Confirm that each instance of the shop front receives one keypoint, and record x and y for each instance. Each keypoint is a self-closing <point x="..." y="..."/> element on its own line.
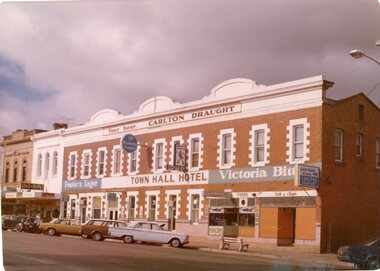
<point x="230" y="215"/>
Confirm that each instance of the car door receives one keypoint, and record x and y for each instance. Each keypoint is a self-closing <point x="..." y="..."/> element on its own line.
<point x="73" y="227"/>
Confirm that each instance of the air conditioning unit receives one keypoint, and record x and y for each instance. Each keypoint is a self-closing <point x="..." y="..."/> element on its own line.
<point x="243" y="202"/>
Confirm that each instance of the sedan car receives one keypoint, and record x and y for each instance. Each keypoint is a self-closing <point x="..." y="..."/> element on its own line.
<point x="61" y="226"/>
<point x="98" y="229"/>
<point x="151" y="232"/>
<point x="365" y="257"/>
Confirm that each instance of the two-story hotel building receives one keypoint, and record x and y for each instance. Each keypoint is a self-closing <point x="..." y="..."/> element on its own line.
<point x="226" y="165"/>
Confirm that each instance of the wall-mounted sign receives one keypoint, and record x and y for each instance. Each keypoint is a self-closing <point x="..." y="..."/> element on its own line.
<point x="307" y="176"/>
<point x="247" y="210"/>
<point x="215" y="230"/>
<point x="32" y="186"/>
<point x="83" y="184"/>
<point x="175" y="119"/>
<point x="129" y="143"/>
<point x="216" y="210"/>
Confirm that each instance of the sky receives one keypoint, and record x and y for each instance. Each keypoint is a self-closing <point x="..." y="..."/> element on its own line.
<point x="65" y="61"/>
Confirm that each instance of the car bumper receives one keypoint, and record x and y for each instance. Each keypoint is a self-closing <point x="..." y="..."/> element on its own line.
<point x="344" y="258"/>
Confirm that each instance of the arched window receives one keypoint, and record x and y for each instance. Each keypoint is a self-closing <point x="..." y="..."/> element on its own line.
<point x="39" y="165"/>
<point x="24" y="167"/>
<point x="55" y="164"/>
<point x="47" y="164"/>
<point x="7" y="165"/>
<point x="15" y="171"/>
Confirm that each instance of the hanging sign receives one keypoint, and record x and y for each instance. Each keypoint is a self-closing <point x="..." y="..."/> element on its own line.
<point x="129" y="143"/>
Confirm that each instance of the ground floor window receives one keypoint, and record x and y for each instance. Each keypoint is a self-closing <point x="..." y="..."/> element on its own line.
<point x="131" y="207"/>
<point x="96" y="207"/>
<point x="194" y="208"/>
<point x="152" y="208"/>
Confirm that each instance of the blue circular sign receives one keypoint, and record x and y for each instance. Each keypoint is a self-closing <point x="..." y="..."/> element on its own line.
<point x="129" y="143"/>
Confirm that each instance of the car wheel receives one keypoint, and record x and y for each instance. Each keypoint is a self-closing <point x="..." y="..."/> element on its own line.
<point x="50" y="231"/>
<point x="97" y="236"/>
<point x="372" y="264"/>
<point x="128" y="239"/>
<point x="19" y="227"/>
<point x="175" y="243"/>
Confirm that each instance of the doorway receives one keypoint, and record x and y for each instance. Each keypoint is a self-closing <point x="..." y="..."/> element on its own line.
<point x="286" y="226"/>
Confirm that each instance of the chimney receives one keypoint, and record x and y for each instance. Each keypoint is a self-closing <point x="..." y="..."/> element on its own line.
<point x="57" y="125"/>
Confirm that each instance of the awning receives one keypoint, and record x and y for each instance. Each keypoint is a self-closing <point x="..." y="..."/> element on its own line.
<point x="32" y="195"/>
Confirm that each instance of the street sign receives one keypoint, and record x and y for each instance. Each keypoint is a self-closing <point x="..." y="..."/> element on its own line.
<point x="129" y="143"/>
<point x="307" y="176"/>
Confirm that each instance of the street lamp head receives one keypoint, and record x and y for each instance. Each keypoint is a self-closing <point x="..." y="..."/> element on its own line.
<point x="356" y="53"/>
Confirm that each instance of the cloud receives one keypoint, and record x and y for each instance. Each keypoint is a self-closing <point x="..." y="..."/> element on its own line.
<point x="76" y="58"/>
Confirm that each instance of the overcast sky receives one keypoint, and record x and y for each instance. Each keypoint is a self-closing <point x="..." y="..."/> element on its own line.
<point x="68" y="60"/>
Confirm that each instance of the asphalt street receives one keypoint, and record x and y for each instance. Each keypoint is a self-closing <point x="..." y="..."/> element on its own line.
<point x="26" y="251"/>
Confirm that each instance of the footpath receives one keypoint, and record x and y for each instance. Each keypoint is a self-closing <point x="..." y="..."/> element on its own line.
<point x="327" y="261"/>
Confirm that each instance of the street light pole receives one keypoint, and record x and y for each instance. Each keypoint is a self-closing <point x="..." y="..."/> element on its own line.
<point x="358" y="54"/>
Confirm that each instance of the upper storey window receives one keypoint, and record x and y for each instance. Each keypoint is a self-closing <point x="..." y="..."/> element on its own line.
<point x="195" y="147"/>
<point x="55" y="164"/>
<point x="226" y="148"/>
<point x="116" y="161"/>
<point x="359" y="145"/>
<point x="298" y="143"/>
<point x="259" y="145"/>
<point x="72" y="165"/>
<point x="101" y="165"/>
<point x="159" y="155"/>
<point x="86" y="163"/>
<point x="338" y="145"/>
<point x="378" y="153"/>
<point x="39" y="165"/>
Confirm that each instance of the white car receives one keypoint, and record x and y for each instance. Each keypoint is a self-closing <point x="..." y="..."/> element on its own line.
<point x="151" y="232"/>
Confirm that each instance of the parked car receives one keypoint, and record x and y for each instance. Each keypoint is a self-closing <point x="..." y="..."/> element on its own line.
<point x="28" y="224"/>
<point x="98" y="229"/>
<point x="151" y="232"/>
<point x="11" y="221"/>
<point x="365" y="257"/>
<point x="61" y="226"/>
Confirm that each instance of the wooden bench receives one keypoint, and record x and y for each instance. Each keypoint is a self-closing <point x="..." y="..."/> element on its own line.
<point x="226" y="241"/>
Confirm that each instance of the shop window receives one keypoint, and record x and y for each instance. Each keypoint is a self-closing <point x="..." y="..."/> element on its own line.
<point x="7" y="165"/>
<point x="195" y="208"/>
<point x="117" y="161"/>
<point x="359" y="146"/>
<point x="338" y="145"/>
<point x="133" y="162"/>
<point x="101" y="162"/>
<point x="247" y="220"/>
<point x="72" y="209"/>
<point x="378" y="153"/>
<point x="24" y="168"/>
<point x="39" y="165"/>
<point x="15" y="171"/>
<point x="55" y="164"/>
<point x="152" y="208"/>
<point x="86" y="164"/>
<point x="131" y="207"/>
<point x="96" y="207"/>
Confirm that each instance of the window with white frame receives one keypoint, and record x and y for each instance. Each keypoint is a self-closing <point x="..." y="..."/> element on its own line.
<point x="297" y="141"/>
<point x="133" y="162"/>
<point x="259" y="145"/>
<point x="359" y="145"/>
<point x="158" y="155"/>
<point x="117" y="161"/>
<point x="96" y="207"/>
<point x="47" y="165"/>
<point x="55" y="164"/>
<point x="378" y="153"/>
<point x="194" y="153"/>
<point x="338" y="145"/>
<point x="72" y="164"/>
<point x="39" y="165"/>
<point x="101" y="162"/>
<point x="86" y="164"/>
<point x="131" y="207"/>
<point x="195" y="203"/>
<point x="152" y="208"/>
<point x="226" y="149"/>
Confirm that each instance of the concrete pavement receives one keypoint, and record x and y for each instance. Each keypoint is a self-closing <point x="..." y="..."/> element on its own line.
<point x="294" y="254"/>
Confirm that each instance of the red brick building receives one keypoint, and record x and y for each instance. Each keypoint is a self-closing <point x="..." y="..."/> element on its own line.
<point x="242" y="145"/>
